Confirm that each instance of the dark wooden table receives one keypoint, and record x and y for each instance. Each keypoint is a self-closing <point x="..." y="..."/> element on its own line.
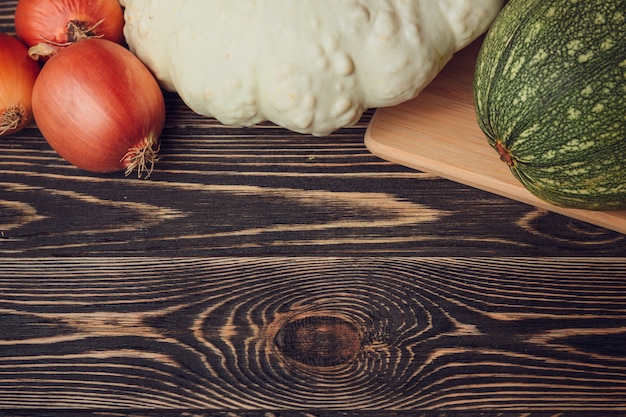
<point x="260" y="272"/>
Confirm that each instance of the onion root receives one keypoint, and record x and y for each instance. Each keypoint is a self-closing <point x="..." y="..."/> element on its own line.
<point x="11" y="119"/>
<point x="77" y="30"/>
<point x="143" y="158"/>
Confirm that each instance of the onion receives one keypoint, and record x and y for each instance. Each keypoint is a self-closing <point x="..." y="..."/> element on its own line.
<point x="17" y="77"/>
<point x="63" y="22"/>
<point x="100" y="108"/>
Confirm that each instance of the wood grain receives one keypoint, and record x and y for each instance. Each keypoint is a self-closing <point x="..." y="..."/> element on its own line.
<point x="223" y="191"/>
<point x="512" y="334"/>
<point x="269" y="274"/>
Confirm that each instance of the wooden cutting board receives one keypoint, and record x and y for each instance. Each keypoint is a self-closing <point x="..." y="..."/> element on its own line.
<point x="437" y="132"/>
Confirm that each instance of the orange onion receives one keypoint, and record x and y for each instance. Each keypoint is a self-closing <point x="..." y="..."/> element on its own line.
<point x="63" y="22"/>
<point x="17" y="77"/>
<point x="100" y="108"/>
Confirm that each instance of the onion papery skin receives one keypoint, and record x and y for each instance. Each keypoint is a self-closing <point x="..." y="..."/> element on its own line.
<point x="47" y="21"/>
<point x="98" y="107"/>
<point x="17" y="78"/>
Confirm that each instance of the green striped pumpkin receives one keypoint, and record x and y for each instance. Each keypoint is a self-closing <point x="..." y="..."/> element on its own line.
<point x="550" y="95"/>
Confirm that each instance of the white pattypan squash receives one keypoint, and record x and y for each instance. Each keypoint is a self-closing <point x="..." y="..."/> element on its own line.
<point x="312" y="66"/>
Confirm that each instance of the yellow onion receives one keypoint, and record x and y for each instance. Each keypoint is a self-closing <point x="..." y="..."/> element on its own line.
<point x="63" y="22"/>
<point x="17" y="77"/>
<point x="100" y="108"/>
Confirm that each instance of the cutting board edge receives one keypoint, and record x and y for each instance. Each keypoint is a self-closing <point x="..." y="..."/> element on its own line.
<point x="609" y="220"/>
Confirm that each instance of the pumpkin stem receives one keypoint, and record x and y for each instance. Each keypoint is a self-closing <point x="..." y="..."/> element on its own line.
<point x="11" y="119"/>
<point x="142" y="158"/>
<point x="505" y="154"/>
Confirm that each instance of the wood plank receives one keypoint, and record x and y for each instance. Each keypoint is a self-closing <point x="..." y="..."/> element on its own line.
<point x="264" y="191"/>
<point x="473" y="334"/>
<point x="300" y="413"/>
<point x="437" y="132"/>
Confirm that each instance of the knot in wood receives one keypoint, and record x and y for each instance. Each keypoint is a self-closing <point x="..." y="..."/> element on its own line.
<point x="320" y="341"/>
